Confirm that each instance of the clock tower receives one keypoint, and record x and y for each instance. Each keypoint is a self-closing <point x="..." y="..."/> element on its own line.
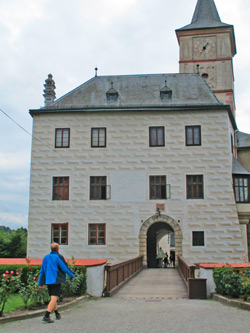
<point x="207" y="46"/>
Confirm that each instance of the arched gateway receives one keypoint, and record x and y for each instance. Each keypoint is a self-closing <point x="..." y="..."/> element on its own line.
<point x="152" y="221"/>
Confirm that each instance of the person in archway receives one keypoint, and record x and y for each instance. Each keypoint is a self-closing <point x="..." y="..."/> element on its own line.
<point x="166" y="261"/>
<point x="172" y="258"/>
<point x="160" y="257"/>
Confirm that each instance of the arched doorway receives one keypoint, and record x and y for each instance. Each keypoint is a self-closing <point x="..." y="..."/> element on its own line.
<point x="155" y="232"/>
<point x="148" y="237"/>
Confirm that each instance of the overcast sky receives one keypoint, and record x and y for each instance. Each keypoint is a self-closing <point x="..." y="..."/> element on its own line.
<point x="69" y="39"/>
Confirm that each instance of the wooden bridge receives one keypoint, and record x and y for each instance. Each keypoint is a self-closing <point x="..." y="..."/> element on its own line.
<point x="154" y="283"/>
<point x="130" y="280"/>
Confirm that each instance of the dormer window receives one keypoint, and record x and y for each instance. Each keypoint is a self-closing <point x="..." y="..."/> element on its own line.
<point x="112" y="94"/>
<point x="166" y="93"/>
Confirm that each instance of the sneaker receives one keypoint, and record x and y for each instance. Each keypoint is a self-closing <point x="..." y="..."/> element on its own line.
<point x="58" y="316"/>
<point x="48" y="320"/>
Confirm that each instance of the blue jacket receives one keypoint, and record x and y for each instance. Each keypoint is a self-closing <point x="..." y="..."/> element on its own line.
<point x="53" y="270"/>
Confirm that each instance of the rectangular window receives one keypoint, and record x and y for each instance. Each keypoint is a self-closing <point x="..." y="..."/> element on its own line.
<point x="195" y="187"/>
<point x="158" y="187"/>
<point x="193" y="135"/>
<point x="97" y="234"/>
<point x="62" y="137"/>
<point x="156" y="136"/>
<point x="60" y="188"/>
<point x="242" y="188"/>
<point x="59" y="233"/>
<point x="198" y="238"/>
<point x="98" y="137"/>
<point x="99" y="190"/>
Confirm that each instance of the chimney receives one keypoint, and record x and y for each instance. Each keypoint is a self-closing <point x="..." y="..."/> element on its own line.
<point x="49" y="91"/>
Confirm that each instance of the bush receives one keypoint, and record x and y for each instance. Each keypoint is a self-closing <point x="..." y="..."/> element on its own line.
<point x="245" y="283"/>
<point x="24" y="279"/>
<point x="31" y="293"/>
<point x="24" y="268"/>
<point x="9" y="283"/>
<point x="76" y="286"/>
<point x="232" y="282"/>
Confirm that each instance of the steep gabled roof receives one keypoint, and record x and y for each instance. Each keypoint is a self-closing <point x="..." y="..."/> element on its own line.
<point x="238" y="169"/>
<point x="139" y="91"/>
<point x="205" y="16"/>
<point x="243" y="140"/>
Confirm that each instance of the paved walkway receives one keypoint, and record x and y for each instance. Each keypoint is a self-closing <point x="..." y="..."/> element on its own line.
<point x="143" y="307"/>
<point x="161" y="283"/>
<point x="114" y="315"/>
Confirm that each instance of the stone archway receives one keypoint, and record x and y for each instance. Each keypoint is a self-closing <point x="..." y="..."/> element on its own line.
<point x="147" y="224"/>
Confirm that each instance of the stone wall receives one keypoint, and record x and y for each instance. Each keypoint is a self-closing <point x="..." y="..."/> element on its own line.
<point x="128" y="161"/>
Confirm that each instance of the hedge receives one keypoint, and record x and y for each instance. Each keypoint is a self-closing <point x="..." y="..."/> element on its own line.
<point x="80" y="272"/>
<point x="233" y="282"/>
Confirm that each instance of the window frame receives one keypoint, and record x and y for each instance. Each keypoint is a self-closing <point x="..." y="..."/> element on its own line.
<point x="61" y="144"/>
<point x="192" y="197"/>
<point x="97" y="231"/>
<point x="96" y="185"/>
<point x="157" y="140"/>
<point x="193" y="127"/>
<point x="59" y="186"/>
<point x="60" y="225"/>
<point x="197" y="239"/>
<point x="244" y="177"/>
<point x="151" y="197"/>
<point x="105" y="137"/>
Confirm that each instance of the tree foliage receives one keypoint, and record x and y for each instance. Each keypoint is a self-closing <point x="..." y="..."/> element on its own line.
<point x="13" y="243"/>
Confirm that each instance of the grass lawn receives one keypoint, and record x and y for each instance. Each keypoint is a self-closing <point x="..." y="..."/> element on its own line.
<point x="14" y="303"/>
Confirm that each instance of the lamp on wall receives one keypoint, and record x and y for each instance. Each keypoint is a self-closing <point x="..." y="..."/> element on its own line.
<point x="158" y="212"/>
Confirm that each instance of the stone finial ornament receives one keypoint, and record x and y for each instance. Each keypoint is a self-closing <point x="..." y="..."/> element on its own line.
<point x="49" y="91"/>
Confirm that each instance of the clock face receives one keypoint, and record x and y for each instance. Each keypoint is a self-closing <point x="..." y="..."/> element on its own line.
<point x="204" y="47"/>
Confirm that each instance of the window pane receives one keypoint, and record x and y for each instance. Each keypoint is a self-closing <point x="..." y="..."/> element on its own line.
<point x="160" y="136"/>
<point x="62" y="137"/>
<point x="195" y="187"/>
<point x="58" y="138"/>
<point x="237" y="196"/>
<point x="193" y="135"/>
<point x="60" y="188"/>
<point x="66" y="138"/>
<point x="102" y="137"/>
<point x="246" y="194"/>
<point x="95" y="137"/>
<point x="153" y="137"/>
<point x="156" y="136"/>
<point x="97" y="234"/>
<point x="60" y="233"/>
<point x="198" y="238"/>
<point x="196" y="136"/>
<point x="98" y="137"/>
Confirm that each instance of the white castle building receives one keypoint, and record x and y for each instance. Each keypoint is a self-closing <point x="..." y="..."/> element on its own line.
<point x="128" y="160"/>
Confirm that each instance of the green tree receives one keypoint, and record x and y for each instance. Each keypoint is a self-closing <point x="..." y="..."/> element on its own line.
<point x="13" y="244"/>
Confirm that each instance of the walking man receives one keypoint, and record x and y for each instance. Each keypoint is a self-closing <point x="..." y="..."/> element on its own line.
<point x="53" y="273"/>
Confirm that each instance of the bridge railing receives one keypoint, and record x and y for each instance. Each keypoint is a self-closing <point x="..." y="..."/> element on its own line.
<point x="197" y="287"/>
<point x="118" y="274"/>
<point x="186" y="269"/>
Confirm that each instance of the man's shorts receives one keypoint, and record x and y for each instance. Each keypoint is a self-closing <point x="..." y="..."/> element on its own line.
<point x="54" y="289"/>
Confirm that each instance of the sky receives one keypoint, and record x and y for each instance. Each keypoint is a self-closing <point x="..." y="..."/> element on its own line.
<point x="69" y="39"/>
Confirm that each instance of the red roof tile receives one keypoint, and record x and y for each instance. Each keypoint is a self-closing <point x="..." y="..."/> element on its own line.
<point x="234" y="265"/>
<point x="36" y="261"/>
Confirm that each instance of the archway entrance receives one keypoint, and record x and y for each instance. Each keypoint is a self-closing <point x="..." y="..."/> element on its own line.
<point x="149" y="237"/>
<point x="155" y="232"/>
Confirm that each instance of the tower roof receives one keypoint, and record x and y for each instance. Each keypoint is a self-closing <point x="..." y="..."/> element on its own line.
<point x="205" y="16"/>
